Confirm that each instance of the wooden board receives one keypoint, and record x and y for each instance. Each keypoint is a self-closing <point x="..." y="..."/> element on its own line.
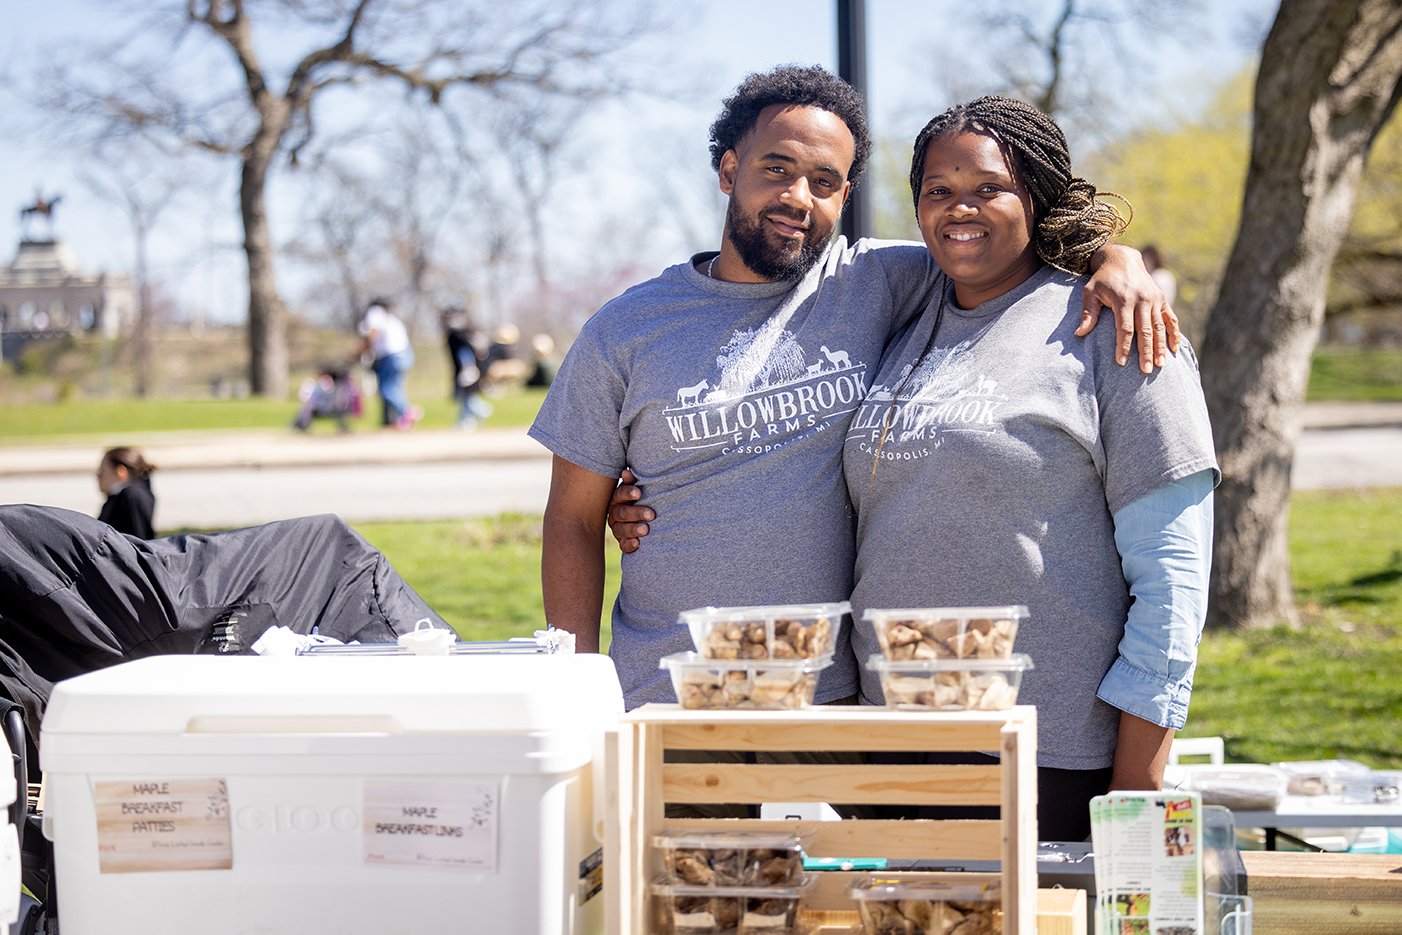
<point x="1324" y="894"/>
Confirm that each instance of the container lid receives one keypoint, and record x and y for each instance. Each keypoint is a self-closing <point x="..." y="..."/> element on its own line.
<point x="727" y="840"/>
<point x="886" y="888"/>
<point x="1323" y="768"/>
<point x="1017" y="662"/>
<point x="399" y="694"/>
<point x="660" y="887"/>
<point x="765" y="612"/>
<point x="694" y="660"/>
<point x="926" y="613"/>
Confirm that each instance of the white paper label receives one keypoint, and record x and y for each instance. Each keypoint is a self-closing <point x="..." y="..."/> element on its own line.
<point x="444" y="823"/>
<point x="163" y="824"/>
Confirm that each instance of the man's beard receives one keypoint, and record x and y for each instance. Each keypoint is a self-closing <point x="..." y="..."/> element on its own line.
<point x="763" y="259"/>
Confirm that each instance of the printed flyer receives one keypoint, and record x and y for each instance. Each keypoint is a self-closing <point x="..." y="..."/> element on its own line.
<point x="1148" y="863"/>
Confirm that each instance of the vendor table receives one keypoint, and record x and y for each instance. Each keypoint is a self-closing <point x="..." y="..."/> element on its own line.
<point x="1324" y="894"/>
<point x="1316" y="811"/>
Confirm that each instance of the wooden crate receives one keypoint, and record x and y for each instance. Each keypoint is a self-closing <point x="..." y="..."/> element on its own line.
<point x="644" y="783"/>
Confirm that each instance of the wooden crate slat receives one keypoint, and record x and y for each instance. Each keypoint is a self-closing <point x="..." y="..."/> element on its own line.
<point x="919" y="839"/>
<point x="844" y="736"/>
<point x="857" y="784"/>
<point x="1019" y="825"/>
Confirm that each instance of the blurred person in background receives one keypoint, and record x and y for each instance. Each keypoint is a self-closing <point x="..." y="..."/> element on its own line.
<point x="1162" y="274"/>
<point x="124" y="477"/>
<point x="544" y="366"/>
<point x="467" y="366"/>
<point x="386" y="341"/>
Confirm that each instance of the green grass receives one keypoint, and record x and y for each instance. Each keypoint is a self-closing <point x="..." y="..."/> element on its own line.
<point x="1331" y="689"/>
<point x="1334" y="687"/>
<point x="1355" y="374"/>
<point x="113" y="419"/>
<point x="481" y="575"/>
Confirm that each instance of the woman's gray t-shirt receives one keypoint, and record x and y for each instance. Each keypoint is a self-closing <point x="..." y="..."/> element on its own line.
<point x="1010" y="446"/>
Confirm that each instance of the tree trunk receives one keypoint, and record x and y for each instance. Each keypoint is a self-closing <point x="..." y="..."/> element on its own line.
<point x="1329" y="79"/>
<point x="144" y="377"/>
<point x="267" y="318"/>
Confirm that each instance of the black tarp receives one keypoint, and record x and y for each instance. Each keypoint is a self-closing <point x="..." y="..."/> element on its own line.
<point x="76" y="595"/>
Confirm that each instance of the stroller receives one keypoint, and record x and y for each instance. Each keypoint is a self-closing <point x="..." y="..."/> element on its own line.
<point x="77" y="596"/>
<point x="332" y="394"/>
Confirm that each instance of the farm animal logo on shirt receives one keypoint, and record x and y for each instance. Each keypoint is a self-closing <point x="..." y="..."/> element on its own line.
<point x="767" y="393"/>
<point x="943" y="395"/>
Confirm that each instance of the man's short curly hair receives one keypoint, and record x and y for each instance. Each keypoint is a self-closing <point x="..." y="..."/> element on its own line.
<point x="803" y="86"/>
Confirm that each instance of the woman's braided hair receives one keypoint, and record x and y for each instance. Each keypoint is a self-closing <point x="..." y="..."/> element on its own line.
<point x="1071" y="220"/>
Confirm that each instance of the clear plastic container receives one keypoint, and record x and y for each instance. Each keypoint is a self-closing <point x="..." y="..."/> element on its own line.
<point x="1319" y="777"/>
<point x="927" y="907"/>
<point x="679" y="909"/>
<point x="951" y="684"/>
<point x="730" y="858"/>
<point x="764" y="684"/>
<point x="781" y="631"/>
<point x="946" y="632"/>
<point x="1242" y="787"/>
<point x="1373" y="788"/>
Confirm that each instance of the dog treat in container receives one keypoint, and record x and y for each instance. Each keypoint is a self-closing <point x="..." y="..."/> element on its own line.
<point x="892" y="906"/>
<point x="682" y="909"/>
<point x="951" y="684"/>
<point x="780" y="631"/>
<point x="946" y="632"/>
<point x="764" y="684"/>
<point x="719" y="858"/>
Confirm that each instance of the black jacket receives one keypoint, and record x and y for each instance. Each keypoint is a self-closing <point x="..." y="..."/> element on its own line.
<point x="131" y="509"/>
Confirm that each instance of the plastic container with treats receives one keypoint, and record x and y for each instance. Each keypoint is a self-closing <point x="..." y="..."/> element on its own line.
<point x="780" y="631"/>
<point x="681" y="909"/>
<point x="946" y="632"/>
<point x="1242" y="786"/>
<point x="951" y="684"/>
<point x="895" y="906"/>
<point x="1319" y="777"/>
<point x="763" y="684"/>
<point x="755" y="858"/>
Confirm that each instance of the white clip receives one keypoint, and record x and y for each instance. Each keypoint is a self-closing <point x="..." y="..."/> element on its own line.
<point x="427" y="640"/>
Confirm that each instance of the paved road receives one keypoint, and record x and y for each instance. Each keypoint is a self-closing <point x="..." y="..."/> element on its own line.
<point x="210" y="498"/>
<point x="211" y="481"/>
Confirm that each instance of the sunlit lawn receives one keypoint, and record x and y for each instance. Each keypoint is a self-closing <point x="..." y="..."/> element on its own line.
<point x="122" y="420"/>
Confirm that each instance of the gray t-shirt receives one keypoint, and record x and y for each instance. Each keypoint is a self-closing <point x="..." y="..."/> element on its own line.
<point x="729" y="401"/>
<point x="1011" y="445"/>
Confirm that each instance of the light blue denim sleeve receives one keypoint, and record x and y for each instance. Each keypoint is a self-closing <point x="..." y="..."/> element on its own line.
<point x="1165" y="544"/>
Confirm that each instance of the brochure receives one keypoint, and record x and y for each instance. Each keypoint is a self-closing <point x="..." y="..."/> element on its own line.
<point x="1148" y="863"/>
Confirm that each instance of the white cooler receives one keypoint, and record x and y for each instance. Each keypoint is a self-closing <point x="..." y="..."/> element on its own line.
<point x="335" y="794"/>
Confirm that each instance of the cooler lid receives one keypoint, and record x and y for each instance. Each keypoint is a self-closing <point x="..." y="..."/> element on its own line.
<point x="399" y="694"/>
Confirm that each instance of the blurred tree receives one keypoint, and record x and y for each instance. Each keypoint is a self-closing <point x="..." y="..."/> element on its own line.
<point x="1330" y="78"/>
<point x="144" y="183"/>
<point x="1368" y="272"/>
<point x="1185" y="183"/>
<point x="1088" y="63"/>
<point x="256" y="102"/>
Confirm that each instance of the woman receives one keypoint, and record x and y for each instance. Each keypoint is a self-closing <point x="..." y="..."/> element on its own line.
<point x="999" y="459"/>
<point x="124" y="477"/>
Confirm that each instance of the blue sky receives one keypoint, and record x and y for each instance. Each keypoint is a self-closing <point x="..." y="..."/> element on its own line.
<point x="722" y="41"/>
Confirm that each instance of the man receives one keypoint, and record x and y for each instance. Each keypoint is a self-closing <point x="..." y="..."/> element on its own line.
<point x="725" y="384"/>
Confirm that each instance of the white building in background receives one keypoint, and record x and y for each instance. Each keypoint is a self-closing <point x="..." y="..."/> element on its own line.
<point x="44" y="294"/>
